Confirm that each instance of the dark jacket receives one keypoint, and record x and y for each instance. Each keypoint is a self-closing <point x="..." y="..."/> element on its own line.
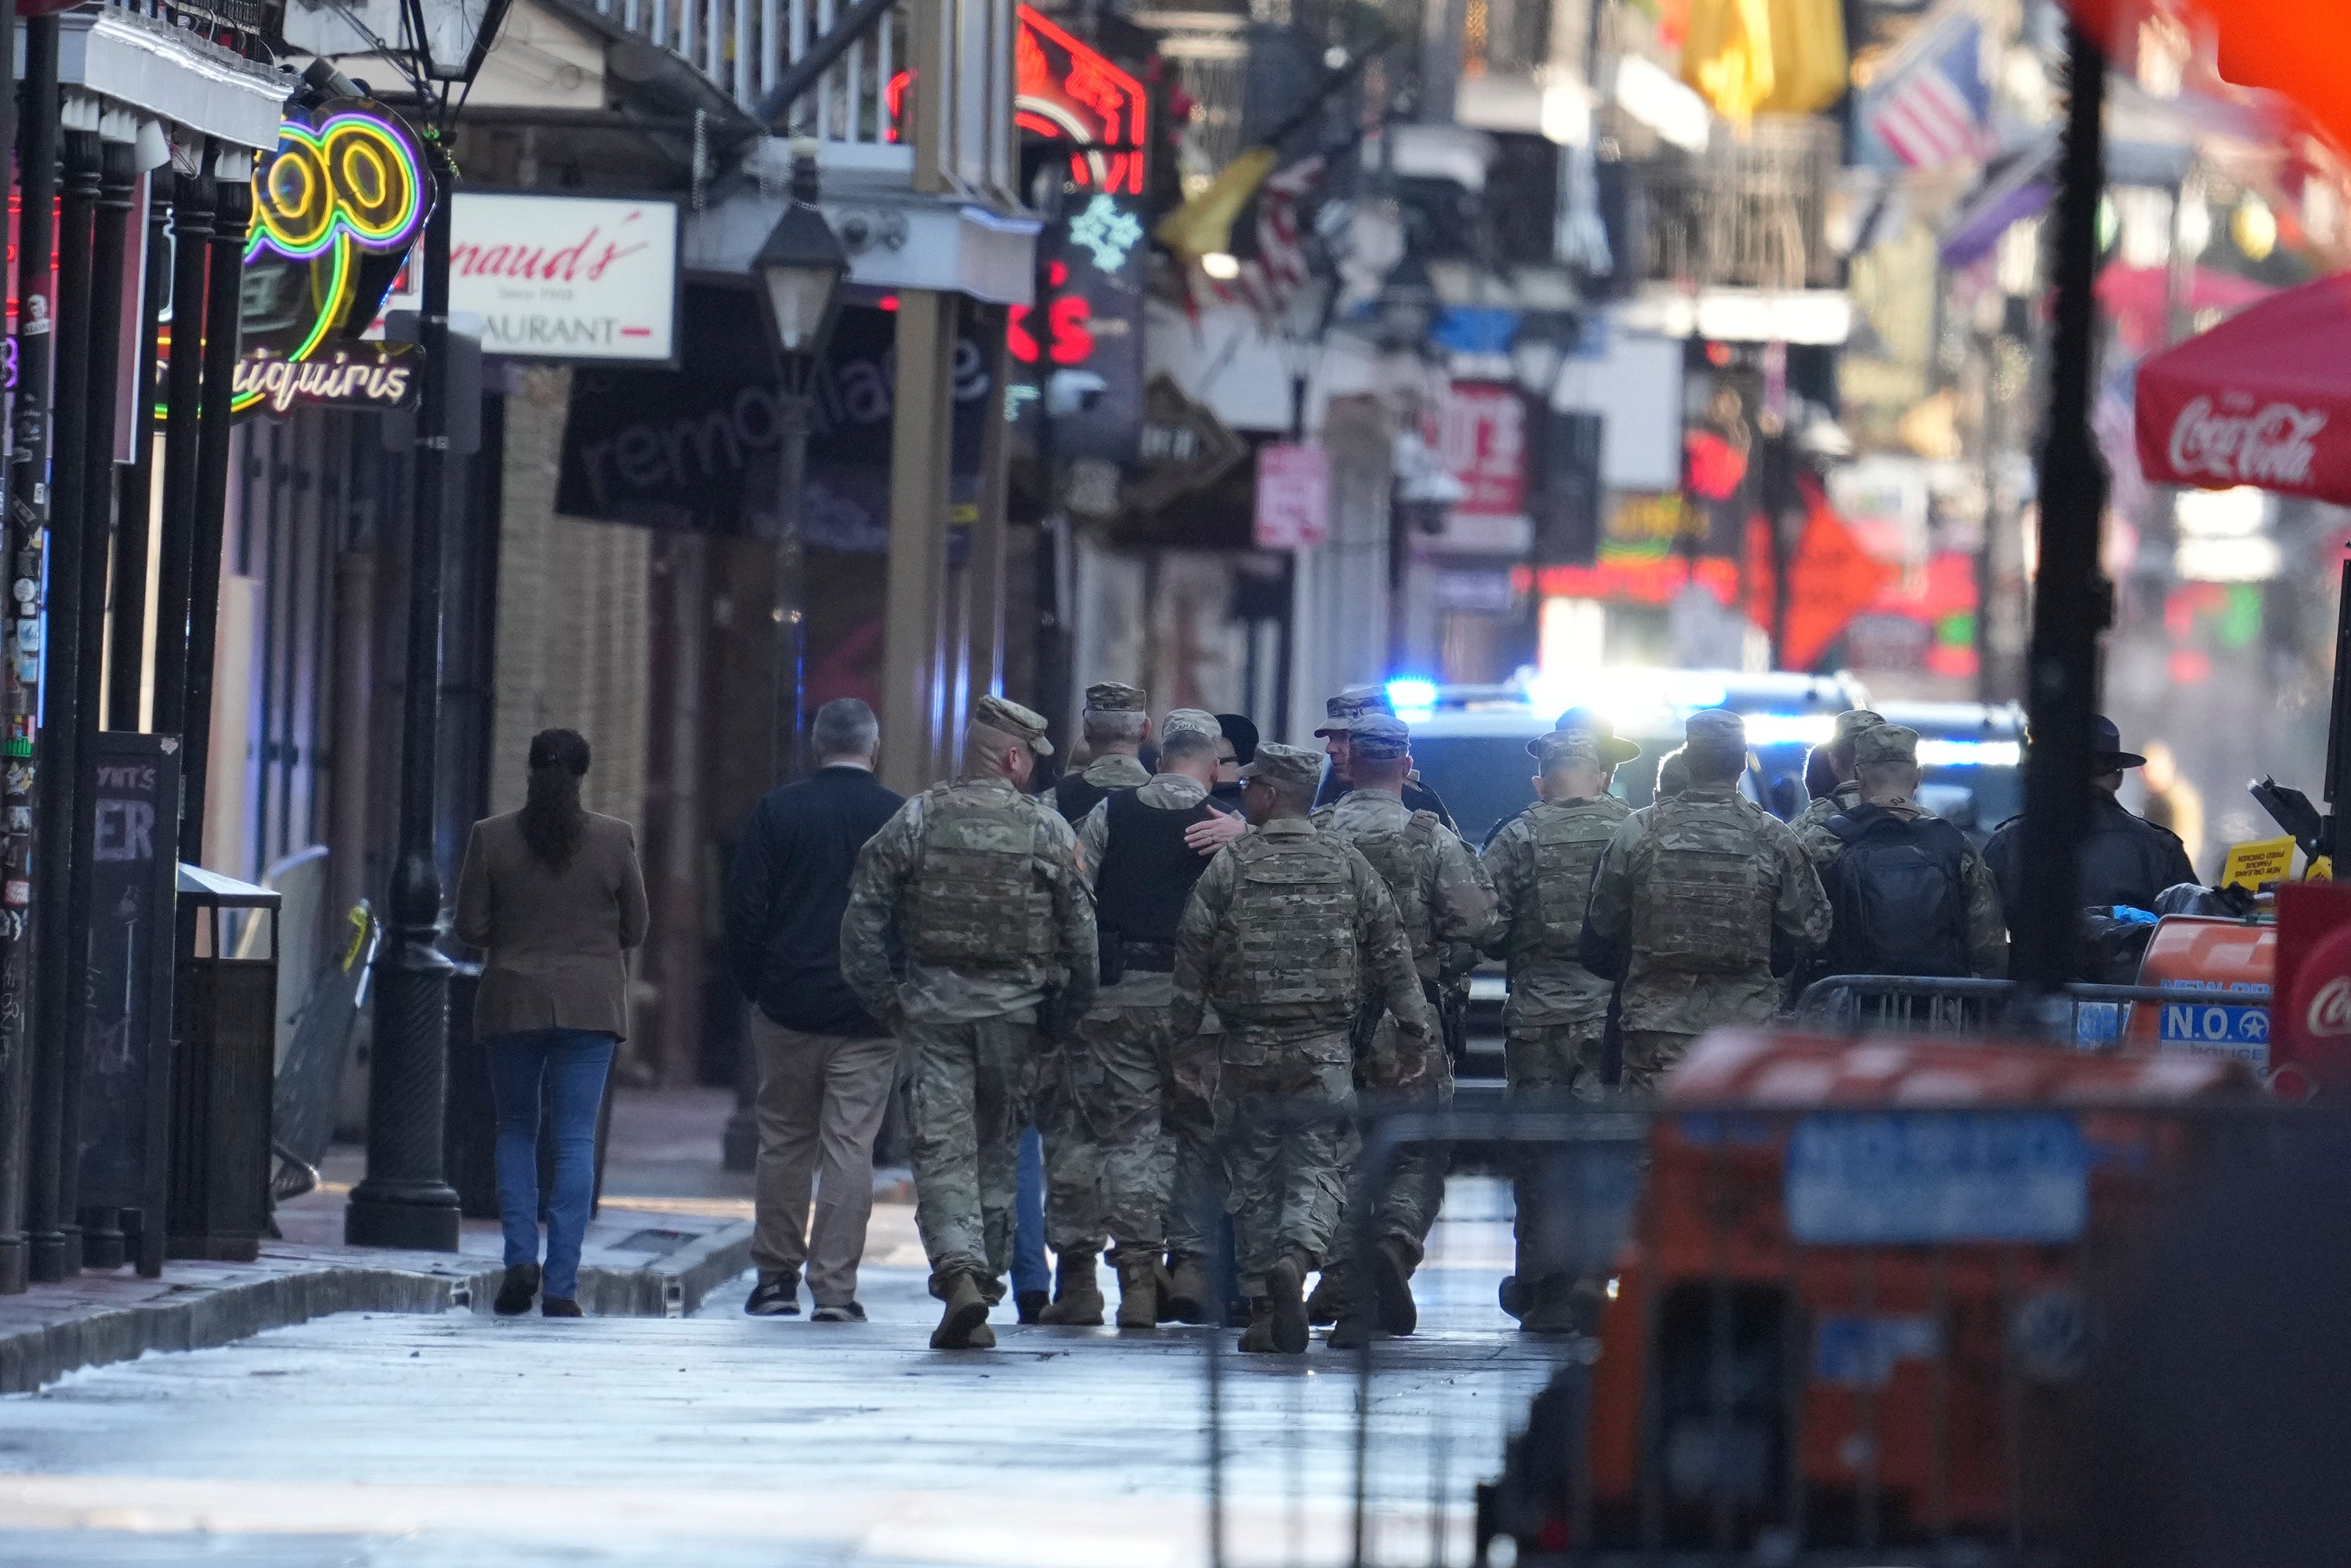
<point x="786" y="891"/>
<point x="2124" y="860"/>
<point x="557" y="941"/>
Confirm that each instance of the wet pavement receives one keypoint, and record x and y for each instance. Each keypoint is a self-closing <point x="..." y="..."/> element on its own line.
<point x="456" y="1439"/>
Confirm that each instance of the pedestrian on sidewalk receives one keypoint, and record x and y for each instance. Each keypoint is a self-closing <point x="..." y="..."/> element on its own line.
<point x="554" y="896"/>
<point x="826" y="1065"/>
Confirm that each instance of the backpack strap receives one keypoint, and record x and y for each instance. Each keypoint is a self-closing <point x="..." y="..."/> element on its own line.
<point x="1422" y="829"/>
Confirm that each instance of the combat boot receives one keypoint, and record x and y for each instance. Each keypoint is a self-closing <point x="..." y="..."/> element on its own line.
<point x="1138" y="1294"/>
<point x="1353" y="1331"/>
<point x="1553" y="1308"/>
<point x="964" y="1324"/>
<point x="1328" y="1304"/>
<point x="1391" y="1290"/>
<point x="1285" y="1287"/>
<point x="1258" y="1338"/>
<point x="1187" y="1290"/>
<point x="1077" y="1297"/>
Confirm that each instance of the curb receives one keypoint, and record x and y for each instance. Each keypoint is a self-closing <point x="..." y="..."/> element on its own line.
<point x="204" y="1317"/>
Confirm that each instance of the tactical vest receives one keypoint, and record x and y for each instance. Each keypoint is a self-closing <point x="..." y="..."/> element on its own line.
<point x="1703" y="906"/>
<point x="1568" y="842"/>
<point x="1406" y="858"/>
<point x="1075" y="795"/>
<point x="1293" y="916"/>
<point x="977" y="903"/>
<point x="1898" y="892"/>
<point x="1147" y="871"/>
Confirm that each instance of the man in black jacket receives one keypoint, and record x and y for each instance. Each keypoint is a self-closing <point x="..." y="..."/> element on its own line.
<point x="2124" y="859"/>
<point x="826" y="1067"/>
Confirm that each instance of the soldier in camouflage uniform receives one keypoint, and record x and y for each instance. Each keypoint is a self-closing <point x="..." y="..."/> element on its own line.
<point x="981" y="884"/>
<point x="1811" y="824"/>
<point x="1556" y="1020"/>
<point x="1109" y="1158"/>
<point x="1447" y="906"/>
<point x="1117" y="723"/>
<point x="1340" y="714"/>
<point x="1698" y="902"/>
<point x="1673" y="774"/>
<point x="1285" y="934"/>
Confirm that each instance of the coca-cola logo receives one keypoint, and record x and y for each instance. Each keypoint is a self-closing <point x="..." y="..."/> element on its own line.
<point x="2270" y="445"/>
<point x="2330" y="1009"/>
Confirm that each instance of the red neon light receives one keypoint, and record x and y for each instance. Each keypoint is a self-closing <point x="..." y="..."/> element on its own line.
<point x="1093" y="83"/>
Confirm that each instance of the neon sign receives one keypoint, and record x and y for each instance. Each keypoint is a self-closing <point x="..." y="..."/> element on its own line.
<point x="1067" y="90"/>
<point x="336" y="208"/>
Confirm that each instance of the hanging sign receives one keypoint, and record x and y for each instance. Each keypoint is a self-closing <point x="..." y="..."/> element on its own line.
<point x="335" y="208"/>
<point x="1293" y="496"/>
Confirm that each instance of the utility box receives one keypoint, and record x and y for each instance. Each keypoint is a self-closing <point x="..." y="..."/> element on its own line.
<point x="223" y="1070"/>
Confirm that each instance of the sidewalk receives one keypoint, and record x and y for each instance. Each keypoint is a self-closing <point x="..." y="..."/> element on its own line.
<point x="673" y="1226"/>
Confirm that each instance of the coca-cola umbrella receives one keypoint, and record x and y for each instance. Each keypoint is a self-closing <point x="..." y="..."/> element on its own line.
<point x="2263" y="399"/>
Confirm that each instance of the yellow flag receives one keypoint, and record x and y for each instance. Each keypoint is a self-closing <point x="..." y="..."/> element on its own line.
<point x="1809" y="67"/>
<point x="1727" y="55"/>
<point x="1204" y="226"/>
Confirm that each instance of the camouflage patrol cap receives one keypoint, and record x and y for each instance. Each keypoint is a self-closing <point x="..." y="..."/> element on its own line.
<point x="1852" y="721"/>
<point x="1885" y="743"/>
<point x="1716" y="730"/>
<point x="1286" y="766"/>
<point x="1024" y="724"/>
<point x="1378" y="736"/>
<point x="1114" y="697"/>
<point x="1196" y="721"/>
<point x="1340" y="711"/>
<point x="1567" y="748"/>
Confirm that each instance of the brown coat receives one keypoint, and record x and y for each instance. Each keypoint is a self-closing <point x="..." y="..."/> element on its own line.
<point x="556" y="945"/>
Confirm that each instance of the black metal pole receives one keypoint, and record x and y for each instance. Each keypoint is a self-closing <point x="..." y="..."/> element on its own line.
<point x="19" y="549"/>
<point x="101" y="1229"/>
<point x="56" y="977"/>
<point x="403" y="1201"/>
<point x="232" y="204"/>
<point x="2338" y="729"/>
<point x="133" y="516"/>
<point x="2071" y="602"/>
<point x="192" y="233"/>
<point x="791" y="617"/>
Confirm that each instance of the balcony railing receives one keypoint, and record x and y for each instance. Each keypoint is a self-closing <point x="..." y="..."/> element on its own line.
<point x="1751" y="210"/>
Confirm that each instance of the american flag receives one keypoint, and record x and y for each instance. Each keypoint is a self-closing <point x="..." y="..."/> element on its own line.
<point x="1271" y="278"/>
<point x="1936" y="109"/>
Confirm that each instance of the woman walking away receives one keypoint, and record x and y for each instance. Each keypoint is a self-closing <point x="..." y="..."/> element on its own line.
<point x="554" y="893"/>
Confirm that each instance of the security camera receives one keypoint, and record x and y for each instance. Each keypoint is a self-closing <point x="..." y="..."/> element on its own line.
<point x="1072" y="392"/>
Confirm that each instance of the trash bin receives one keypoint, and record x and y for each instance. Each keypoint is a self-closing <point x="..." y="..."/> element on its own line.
<point x="224" y="1049"/>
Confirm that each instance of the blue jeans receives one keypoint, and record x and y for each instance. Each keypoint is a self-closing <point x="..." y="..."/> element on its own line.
<point x="1030" y="1269"/>
<point x="566" y="1067"/>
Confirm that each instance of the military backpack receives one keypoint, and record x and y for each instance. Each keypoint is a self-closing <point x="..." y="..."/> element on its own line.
<point x="1406" y="858"/>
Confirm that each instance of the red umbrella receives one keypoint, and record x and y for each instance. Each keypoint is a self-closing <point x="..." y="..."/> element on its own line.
<point x="2264" y="398"/>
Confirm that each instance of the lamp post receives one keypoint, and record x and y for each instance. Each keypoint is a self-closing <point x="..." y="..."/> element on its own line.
<point x="800" y="267"/>
<point x="404" y="1201"/>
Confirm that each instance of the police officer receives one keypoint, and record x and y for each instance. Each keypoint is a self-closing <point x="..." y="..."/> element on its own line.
<point x="1695" y="898"/>
<point x="1340" y="711"/>
<point x="1556" y="1023"/>
<point x="1909" y="894"/>
<point x="1286" y="933"/>
<point x="2124" y="859"/>
<point x="1116" y="725"/>
<point x="981" y="884"/>
<point x="1109" y="1170"/>
<point x="1447" y="905"/>
<point x="1843" y="792"/>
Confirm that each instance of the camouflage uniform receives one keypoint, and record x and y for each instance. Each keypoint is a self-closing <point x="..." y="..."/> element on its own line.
<point x="1542" y="866"/>
<point x="1115" y="770"/>
<point x="1446" y="905"/>
<point x="1986" y="934"/>
<point x="982" y="886"/>
<point x="1284" y="934"/>
<point x="1690" y="896"/>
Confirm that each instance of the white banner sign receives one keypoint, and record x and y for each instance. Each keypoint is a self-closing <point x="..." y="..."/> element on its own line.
<point x="562" y="277"/>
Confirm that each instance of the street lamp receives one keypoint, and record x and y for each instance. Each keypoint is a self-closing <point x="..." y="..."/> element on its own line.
<point x="800" y="267"/>
<point x="404" y="1201"/>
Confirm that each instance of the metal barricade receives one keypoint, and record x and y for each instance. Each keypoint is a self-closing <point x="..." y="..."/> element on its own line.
<point x="2090" y="1017"/>
<point x="1890" y="1334"/>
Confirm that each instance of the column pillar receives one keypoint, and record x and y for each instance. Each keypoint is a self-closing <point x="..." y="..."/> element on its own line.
<point x="920" y="455"/>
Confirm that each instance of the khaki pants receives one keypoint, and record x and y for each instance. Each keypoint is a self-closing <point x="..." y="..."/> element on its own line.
<point x="819" y="1095"/>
